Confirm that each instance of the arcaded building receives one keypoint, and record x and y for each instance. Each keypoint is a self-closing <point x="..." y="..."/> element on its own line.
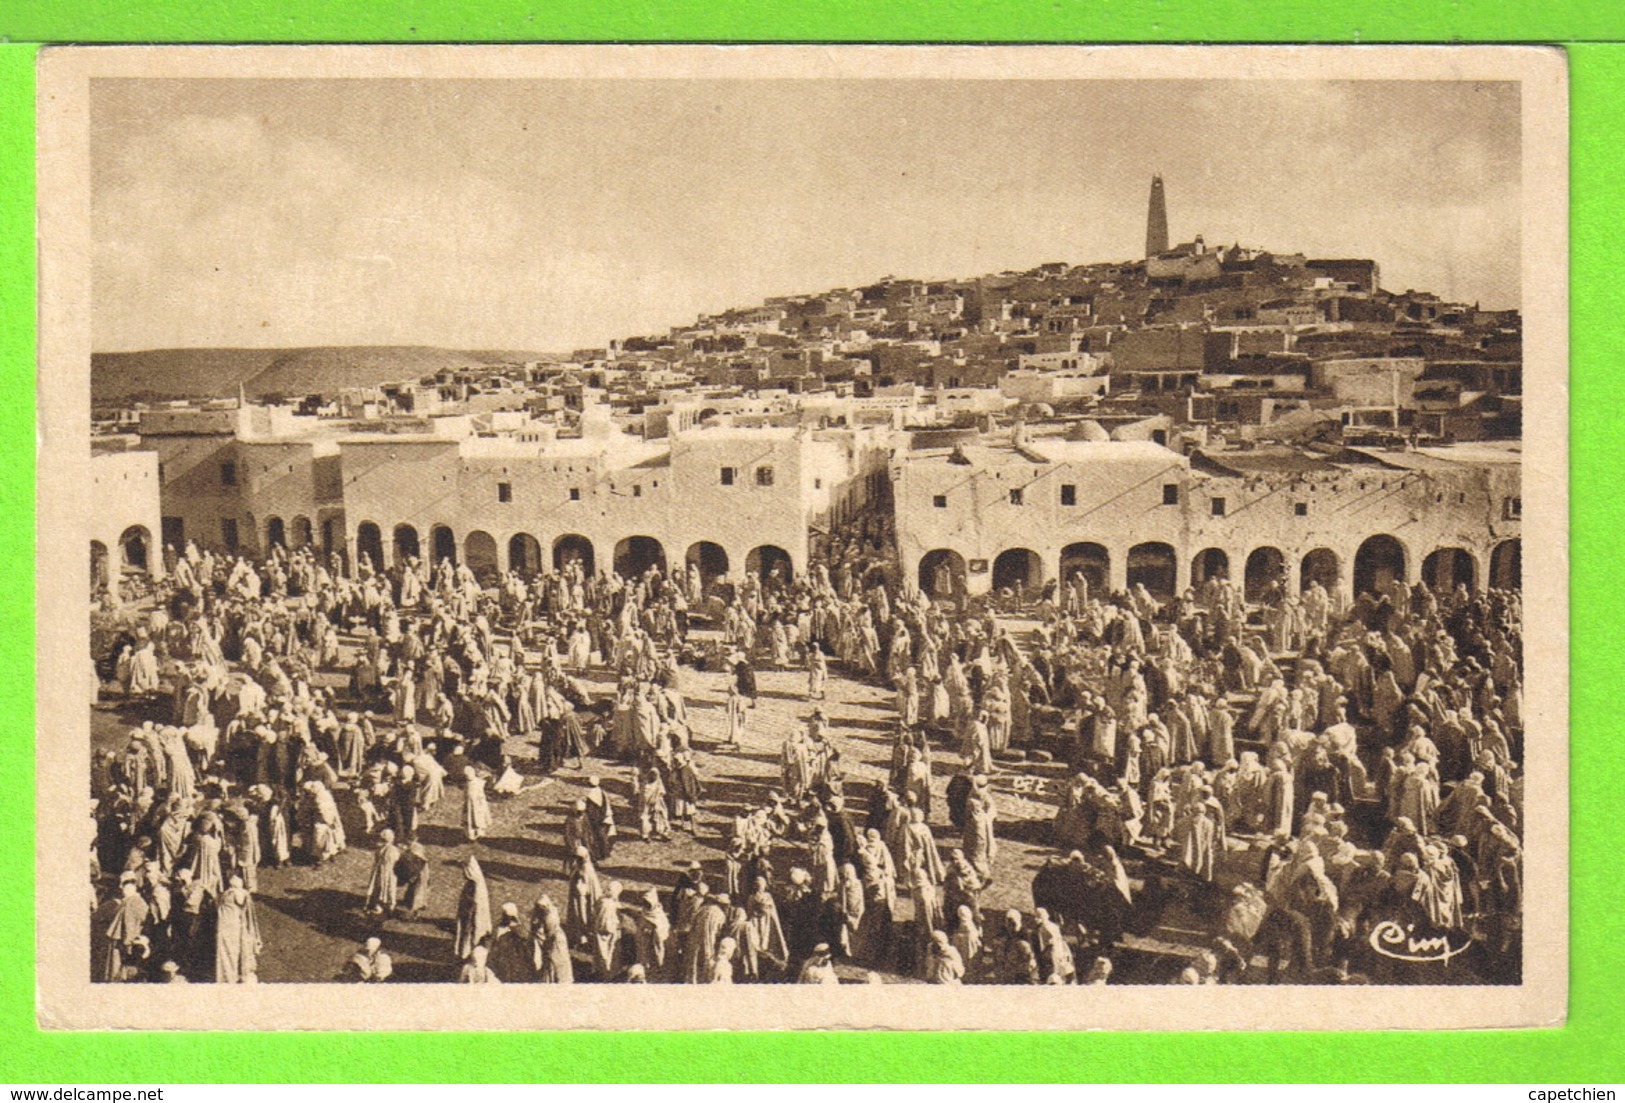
<point x="510" y="493"/>
<point x="991" y="512"/>
<point x="1003" y="516"/>
<point x="727" y="500"/>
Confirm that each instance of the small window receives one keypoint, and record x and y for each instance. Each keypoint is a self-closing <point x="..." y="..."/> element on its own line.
<point x="764" y="475"/>
<point x="1512" y="508"/>
<point x="727" y="476"/>
<point x="1015" y="496"/>
<point x="504" y="492"/>
<point x="1069" y="494"/>
<point x="1300" y="509"/>
<point x="575" y="494"/>
<point x="228" y="532"/>
<point x="228" y="474"/>
<point x="637" y="490"/>
<point x="818" y="484"/>
<point x="1170" y="494"/>
<point x="940" y="501"/>
<point x="1218" y="507"/>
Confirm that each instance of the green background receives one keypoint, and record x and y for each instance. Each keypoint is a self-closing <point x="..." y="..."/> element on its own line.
<point x="1591" y="1048"/>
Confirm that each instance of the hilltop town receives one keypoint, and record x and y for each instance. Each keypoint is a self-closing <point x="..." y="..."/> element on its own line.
<point x="1024" y="425"/>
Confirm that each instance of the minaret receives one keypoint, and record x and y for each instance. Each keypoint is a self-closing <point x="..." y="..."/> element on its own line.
<point x="1156" y="221"/>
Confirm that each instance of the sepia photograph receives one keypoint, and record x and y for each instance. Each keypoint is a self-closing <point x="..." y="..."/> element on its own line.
<point x="1000" y="519"/>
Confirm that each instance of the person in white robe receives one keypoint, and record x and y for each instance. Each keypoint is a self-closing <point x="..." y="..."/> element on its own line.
<point x="237" y="937"/>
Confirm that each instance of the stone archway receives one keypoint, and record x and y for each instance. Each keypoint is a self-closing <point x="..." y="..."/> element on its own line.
<point x="1209" y="563"/>
<point x="1154" y="566"/>
<point x="1264" y="577"/>
<point x="480" y="553"/>
<point x="442" y="545"/>
<point x="1379" y="562"/>
<point x="709" y="559"/>
<point x="571" y="548"/>
<point x="369" y="542"/>
<point x="635" y="555"/>
<point x="135" y="548"/>
<point x="276" y="533"/>
<point x="768" y="561"/>
<point x="525" y="554"/>
<point x="1019" y="570"/>
<point x="101" y="574"/>
<point x="1092" y="561"/>
<point x="406" y="544"/>
<point x="942" y="574"/>
<point x="1506" y="565"/>
<point x="1445" y="568"/>
<point x="1320" y="565"/>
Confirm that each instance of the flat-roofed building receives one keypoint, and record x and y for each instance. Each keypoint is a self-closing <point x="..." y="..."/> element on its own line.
<point x="125" y="518"/>
<point x="1126" y="513"/>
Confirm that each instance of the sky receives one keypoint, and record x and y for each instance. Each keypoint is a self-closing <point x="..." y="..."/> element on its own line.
<point x="556" y="214"/>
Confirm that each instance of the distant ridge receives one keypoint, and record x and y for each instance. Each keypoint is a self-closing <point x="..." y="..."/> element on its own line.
<point x="159" y="374"/>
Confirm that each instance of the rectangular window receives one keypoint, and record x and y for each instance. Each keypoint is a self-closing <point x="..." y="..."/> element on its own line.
<point x="1300" y="509"/>
<point x="1015" y="496"/>
<point x="818" y="484"/>
<point x="764" y="476"/>
<point x="940" y="501"/>
<point x="727" y="476"/>
<point x="1511" y="508"/>
<point x="575" y="494"/>
<point x="1170" y="494"/>
<point x="228" y="532"/>
<point x="228" y="474"/>
<point x="1218" y="507"/>
<point x="637" y="490"/>
<point x="1069" y="494"/>
<point x="504" y="492"/>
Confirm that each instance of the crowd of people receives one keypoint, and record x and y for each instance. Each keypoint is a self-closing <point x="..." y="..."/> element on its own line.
<point x="1291" y="771"/>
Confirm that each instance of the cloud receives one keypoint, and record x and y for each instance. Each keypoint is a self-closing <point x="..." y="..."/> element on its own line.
<point x="290" y="234"/>
<point x="555" y="214"/>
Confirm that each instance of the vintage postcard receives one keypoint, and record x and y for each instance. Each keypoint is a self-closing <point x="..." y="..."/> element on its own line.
<point x="802" y="537"/>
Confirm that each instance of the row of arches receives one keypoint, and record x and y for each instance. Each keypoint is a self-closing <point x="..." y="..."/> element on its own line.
<point x="1379" y="561"/>
<point x="632" y="557"/>
<point x="297" y="534"/>
<point x="134" y="554"/>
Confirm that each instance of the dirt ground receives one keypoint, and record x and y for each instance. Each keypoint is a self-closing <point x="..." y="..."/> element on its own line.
<point x="312" y="918"/>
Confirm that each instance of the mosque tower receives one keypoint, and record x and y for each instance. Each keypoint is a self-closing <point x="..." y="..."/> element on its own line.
<point x="1156" y="221"/>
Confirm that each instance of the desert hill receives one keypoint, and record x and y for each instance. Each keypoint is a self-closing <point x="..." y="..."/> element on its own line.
<point x="156" y="374"/>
